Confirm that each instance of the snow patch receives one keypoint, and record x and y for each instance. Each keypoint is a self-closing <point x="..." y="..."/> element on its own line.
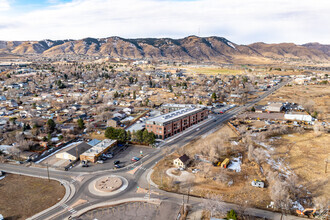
<point x="231" y="45"/>
<point x="235" y="163"/>
<point x="297" y="205"/>
<point x="49" y="44"/>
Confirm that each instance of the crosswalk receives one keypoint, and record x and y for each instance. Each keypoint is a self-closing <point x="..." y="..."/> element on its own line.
<point x="68" y="208"/>
<point x="146" y="196"/>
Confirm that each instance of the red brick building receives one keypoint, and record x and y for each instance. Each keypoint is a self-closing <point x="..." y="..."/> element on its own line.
<point x="169" y="124"/>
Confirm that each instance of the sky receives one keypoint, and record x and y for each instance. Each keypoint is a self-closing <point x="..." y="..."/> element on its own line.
<point x="240" y="21"/>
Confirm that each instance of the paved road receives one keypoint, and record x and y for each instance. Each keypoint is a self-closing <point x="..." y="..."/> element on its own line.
<point x="79" y="181"/>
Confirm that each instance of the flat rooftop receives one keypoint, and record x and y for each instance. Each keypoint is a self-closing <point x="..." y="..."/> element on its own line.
<point x="169" y="105"/>
<point x="173" y="116"/>
<point x="100" y="147"/>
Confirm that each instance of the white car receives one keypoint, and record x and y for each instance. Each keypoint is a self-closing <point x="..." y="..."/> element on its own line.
<point x="197" y="129"/>
<point x="195" y="170"/>
<point x="100" y="161"/>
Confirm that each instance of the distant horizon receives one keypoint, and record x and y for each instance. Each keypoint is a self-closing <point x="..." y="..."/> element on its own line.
<point x="177" y="38"/>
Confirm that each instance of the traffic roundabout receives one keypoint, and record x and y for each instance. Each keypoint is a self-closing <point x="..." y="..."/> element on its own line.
<point x="108" y="185"/>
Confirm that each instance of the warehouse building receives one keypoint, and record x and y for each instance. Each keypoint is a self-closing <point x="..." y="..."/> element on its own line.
<point x="275" y="107"/>
<point x="169" y="124"/>
<point x="298" y="116"/>
<point x="94" y="152"/>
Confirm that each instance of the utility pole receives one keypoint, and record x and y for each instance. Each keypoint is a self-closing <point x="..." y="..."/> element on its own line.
<point x="188" y="195"/>
<point x="48" y="173"/>
<point x="76" y="153"/>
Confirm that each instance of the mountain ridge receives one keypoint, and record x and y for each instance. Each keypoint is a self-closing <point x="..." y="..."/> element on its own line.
<point x="191" y="48"/>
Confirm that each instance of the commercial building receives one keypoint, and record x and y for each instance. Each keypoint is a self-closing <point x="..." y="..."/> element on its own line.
<point x="94" y="152"/>
<point x="169" y="124"/>
<point x="74" y="152"/>
<point x="275" y="107"/>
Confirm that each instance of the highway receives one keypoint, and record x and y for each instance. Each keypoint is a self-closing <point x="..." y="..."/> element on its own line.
<point x="77" y="183"/>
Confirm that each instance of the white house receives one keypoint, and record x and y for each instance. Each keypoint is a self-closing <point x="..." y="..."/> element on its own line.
<point x="182" y="161"/>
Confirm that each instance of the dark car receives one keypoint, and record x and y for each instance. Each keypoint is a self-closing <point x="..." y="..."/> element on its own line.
<point x="116" y="162"/>
<point x="85" y="165"/>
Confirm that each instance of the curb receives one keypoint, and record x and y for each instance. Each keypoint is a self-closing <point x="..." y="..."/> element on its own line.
<point x="149" y="179"/>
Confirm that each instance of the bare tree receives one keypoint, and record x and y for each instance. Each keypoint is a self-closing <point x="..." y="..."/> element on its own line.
<point x="214" y="204"/>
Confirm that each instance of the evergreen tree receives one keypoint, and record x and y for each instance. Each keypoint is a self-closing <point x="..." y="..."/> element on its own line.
<point x="51" y="125"/>
<point x="81" y="123"/>
<point x="214" y="96"/>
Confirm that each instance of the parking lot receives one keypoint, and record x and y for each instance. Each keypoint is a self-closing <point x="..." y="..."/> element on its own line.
<point x="123" y="154"/>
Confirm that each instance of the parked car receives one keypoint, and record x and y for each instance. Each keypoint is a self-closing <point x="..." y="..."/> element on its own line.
<point x="117" y="166"/>
<point x="134" y="159"/>
<point x="85" y="165"/>
<point x="108" y="155"/>
<point x="100" y="161"/>
<point x="195" y="170"/>
<point x="116" y="162"/>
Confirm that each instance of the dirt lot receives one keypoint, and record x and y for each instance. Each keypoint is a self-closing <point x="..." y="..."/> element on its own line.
<point x="22" y="196"/>
<point x="234" y="187"/>
<point x="135" y="211"/>
<point x="213" y="71"/>
<point x="305" y="155"/>
<point x="300" y="155"/>
<point x="315" y="97"/>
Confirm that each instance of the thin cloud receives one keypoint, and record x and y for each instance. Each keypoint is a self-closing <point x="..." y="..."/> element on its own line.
<point x="240" y="21"/>
<point x="4" y="5"/>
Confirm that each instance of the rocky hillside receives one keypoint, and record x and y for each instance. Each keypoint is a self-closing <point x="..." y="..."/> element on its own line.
<point x="190" y="48"/>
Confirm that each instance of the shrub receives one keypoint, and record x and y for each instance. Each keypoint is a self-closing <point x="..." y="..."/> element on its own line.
<point x="232" y="215"/>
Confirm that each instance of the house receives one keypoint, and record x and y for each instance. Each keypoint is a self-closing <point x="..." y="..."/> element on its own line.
<point x="113" y="122"/>
<point x="182" y="161"/>
<point x="12" y="103"/>
<point x="128" y="110"/>
<point x="119" y="115"/>
<point x="259" y="108"/>
<point x="2" y="98"/>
